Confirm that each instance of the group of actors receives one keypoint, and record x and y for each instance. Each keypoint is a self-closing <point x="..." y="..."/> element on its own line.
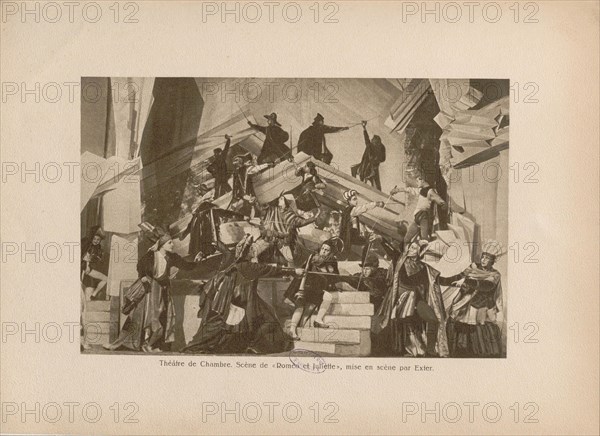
<point x="412" y="316"/>
<point x="312" y="141"/>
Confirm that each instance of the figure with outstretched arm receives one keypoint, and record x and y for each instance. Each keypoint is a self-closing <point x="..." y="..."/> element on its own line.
<point x="422" y="215"/>
<point x="150" y="322"/>
<point x="312" y="140"/>
<point x="474" y="327"/>
<point x="351" y="231"/>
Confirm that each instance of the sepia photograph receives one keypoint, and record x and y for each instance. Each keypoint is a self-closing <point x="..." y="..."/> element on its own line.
<point x="345" y="217"/>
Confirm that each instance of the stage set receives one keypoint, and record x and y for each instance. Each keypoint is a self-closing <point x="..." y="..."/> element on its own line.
<point x="346" y="217"/>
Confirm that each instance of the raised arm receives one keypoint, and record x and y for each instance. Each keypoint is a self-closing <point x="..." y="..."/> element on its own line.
<point x="447" y="281"/>
<point x="397" y="190"/>
<point x="227" y="145"/>
<point x="363" y="208"/>
<point x="181" y="263"/>
<point x="257" y="168"/>
<point x="389" y="249"/>
<point x="333" y="129"/>
<point x="435" y="197"/>
<point x="298" y="221"/>
<point x="366" y="135"/>
<point x="262" y="129"/>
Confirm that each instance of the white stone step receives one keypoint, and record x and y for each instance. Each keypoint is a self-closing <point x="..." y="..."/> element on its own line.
<point x="96" y="327"/>
<point x="97" y="339"/>
<point x="350" y="297"/>
<point x="336" y="349"/>
<point x="346" y="336"/>
<point x="352" y="309"/>
<point x="97" y="306"/>
<point x="97" y="317"/>
<point x="347" y="322"/>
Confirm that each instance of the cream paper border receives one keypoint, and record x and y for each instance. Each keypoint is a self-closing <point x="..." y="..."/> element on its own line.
<point x="560" y="133"/>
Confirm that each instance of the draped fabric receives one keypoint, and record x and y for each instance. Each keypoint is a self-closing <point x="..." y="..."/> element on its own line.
<point x="154" y="314"/>
<point x="153" y="318"/>
<point x="231" y="293"/>
<point x="173" y="123"/>
<point x="480" y="340"/>
<point x="397" y="314"/>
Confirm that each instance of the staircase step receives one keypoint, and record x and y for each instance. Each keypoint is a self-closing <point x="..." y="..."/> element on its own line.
<point x="347" y="336"/>
<point x="350" y="297"/>
<point x="352" y="309"/>
<point x="94" y="338"/>
<point x="347" y="322"/>
<point x="93" y="328"/>
<point x="97" y="306"/>
<point x="97" y="317"/>
<point x="337" y="349"/>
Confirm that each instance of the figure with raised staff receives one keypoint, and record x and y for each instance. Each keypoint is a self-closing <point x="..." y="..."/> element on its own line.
<point x="374" y="155"/>
<point x="243" y="198"/>
<point x="312" y="139"/>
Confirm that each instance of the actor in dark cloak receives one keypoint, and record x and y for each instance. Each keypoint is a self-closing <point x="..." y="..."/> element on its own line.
<point x="218" y="169"/>
<point x="312" y="140"/>
<point x="234" y="319"/>
<point x="368" y="168"/>
<point x="274" y="147"/>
